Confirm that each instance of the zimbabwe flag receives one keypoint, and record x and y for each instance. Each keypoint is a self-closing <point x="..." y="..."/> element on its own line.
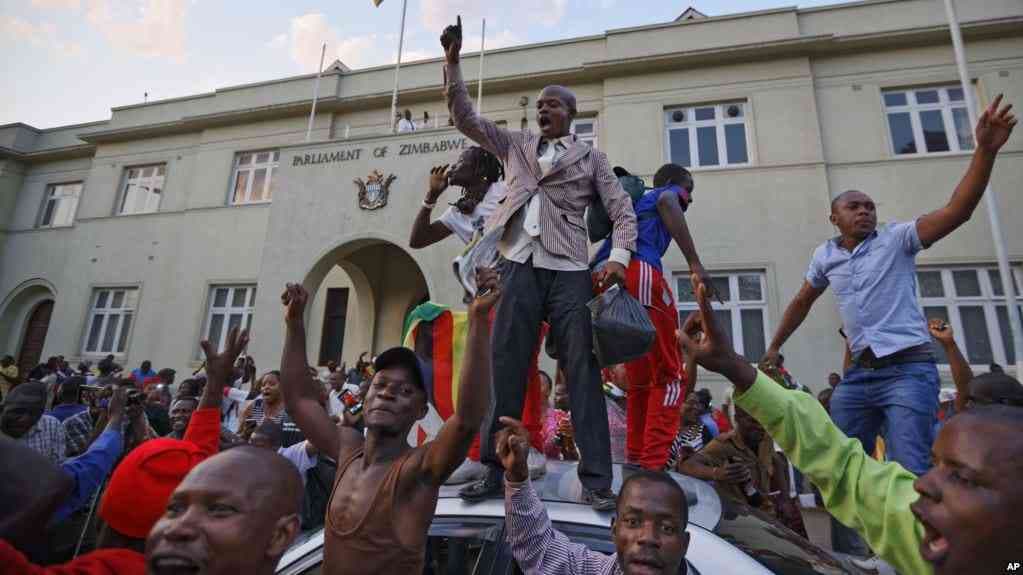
<point x="437" y="334"/>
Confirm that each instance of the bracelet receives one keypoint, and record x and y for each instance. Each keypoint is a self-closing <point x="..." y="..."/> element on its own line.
<point x="429" y="205"/>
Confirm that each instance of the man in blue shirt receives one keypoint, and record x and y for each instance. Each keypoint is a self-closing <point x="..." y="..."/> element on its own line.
<point x="68" y="397"/>
<point x="142" y="372"/>
<point x="657" y="380"/>
<point x="893" y="380"/>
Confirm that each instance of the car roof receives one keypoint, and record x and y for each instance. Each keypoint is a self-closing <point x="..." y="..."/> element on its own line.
<point x="561" y="491"/>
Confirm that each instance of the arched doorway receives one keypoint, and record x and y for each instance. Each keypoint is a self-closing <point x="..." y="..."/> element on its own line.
<point x="35" y="336"/>
<point x="24" y="321"/>
<point x="362" y="291"/>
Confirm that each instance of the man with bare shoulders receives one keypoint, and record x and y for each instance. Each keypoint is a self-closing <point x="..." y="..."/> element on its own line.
<point x="385" y="493"/>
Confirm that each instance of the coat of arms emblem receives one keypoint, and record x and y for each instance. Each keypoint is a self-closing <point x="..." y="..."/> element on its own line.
<point x="373" y="192"/>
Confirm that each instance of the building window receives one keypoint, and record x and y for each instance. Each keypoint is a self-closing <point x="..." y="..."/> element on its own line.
<point x="928" y="120"/>
<point x="110" y="319"/>
<point x="60" y="204"/>
<point x="742" y="311"/>
<point x="229" y="307"/>
<point x="972" y="301"/>
<point x="253" y="180"/>
<point x="711" y="135"/>
<point x="143" y="188"/>
<point x="585" y="130"/>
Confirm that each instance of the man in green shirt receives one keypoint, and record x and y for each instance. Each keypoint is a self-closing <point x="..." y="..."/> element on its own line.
<point x="960" y="517"/>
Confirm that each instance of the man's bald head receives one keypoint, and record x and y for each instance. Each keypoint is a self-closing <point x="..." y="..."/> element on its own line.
<point x="246" y="503"/>
<point x="854" y="214"/>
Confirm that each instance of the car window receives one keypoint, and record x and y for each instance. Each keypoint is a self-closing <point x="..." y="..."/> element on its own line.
<point x="773" y="545"/>
<point x="463" y="545"/>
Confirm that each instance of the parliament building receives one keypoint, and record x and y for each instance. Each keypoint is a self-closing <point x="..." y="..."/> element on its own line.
<point x="176" y="220"/>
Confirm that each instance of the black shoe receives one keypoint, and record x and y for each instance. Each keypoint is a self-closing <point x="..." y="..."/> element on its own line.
<point x="492" y="485"/>
<point x="600" y="499"/>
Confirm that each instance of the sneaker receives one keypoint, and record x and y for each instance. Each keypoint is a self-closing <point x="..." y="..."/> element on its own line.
<point x="492" y="485"/>
<point x="537" y="463"/>
<point x="468" y="471"/>
<point x="600" y="499"/>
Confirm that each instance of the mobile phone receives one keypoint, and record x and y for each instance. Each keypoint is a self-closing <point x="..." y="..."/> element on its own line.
<point x="352" y="403"/>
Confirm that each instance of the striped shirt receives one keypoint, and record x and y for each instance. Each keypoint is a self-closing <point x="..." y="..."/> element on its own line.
<point x="46" y="437"/>
<point x="692" y="437"/>
<point x="540" y="549"/>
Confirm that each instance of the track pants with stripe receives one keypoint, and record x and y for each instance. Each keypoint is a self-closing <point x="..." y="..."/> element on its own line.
<point x="656" y="380"/>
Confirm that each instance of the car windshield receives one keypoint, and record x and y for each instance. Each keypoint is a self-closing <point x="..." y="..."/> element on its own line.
<point x="771" y="544"/>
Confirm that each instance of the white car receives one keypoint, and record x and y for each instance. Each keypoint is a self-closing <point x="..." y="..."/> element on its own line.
<point x="725" y="536"/>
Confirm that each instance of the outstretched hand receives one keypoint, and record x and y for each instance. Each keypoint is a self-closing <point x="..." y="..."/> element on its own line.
<point x="294" y="300"/>
<point x="703" y="337"/>
<point x="220" y="366"/>
<point x="451" y="40"/>
<point x="513" y="449"/>
<point x="994" y="126"/>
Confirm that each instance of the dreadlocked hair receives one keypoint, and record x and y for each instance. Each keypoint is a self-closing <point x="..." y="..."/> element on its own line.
<point x="489" y="169"/>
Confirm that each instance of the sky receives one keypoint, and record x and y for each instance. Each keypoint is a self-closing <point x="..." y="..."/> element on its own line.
<point x="71" y="61"/>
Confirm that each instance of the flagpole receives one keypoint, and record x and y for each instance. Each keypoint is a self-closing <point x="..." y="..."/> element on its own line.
<point x="397" y="66"/>
<point x="316" y="94"/>
<point x="990" y="200"/>
<point x="479" y="89"/>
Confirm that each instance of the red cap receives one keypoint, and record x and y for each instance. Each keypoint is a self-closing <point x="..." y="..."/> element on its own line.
<point x="137" y="494"/>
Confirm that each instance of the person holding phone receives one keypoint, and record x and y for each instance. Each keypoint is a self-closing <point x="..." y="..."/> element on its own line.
<point x="480" y="175"/>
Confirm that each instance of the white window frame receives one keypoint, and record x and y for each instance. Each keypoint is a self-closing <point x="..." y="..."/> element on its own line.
<point x="719" y="122"/>
<point x="590" y="138"/>
<point x="227" y="310"/>
<point x="249" y="169"/>
<point x="102" y="309"/>
<point x="733" y="305"/>
<point x="987" y="300"/>
<point x="59" y="194"/>
<point x="155" y="181"/>
<point x="945" y="105"/>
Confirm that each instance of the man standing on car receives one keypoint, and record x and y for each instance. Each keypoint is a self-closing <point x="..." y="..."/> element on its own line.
<point x="893" y="379"/>
<point x="552" y="178"/>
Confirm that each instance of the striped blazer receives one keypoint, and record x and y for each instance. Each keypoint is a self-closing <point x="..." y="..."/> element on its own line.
<point x="565" y="191"/>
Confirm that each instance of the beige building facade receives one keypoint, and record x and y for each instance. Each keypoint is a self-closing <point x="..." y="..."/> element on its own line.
<point x="174" y="220"/>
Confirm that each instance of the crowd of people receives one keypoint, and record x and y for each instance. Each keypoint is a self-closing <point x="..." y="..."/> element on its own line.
<point x="106" y="470"/>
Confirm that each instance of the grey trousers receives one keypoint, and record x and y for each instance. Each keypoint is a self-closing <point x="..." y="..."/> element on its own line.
<point x="528" y="296"/>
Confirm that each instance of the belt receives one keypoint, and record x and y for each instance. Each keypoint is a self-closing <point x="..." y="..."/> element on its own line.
<point x="915" y="354"/>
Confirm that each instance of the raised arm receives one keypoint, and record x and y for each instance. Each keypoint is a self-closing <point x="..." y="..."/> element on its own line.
<point x="794" y="315"/>
<point x="993" y="129"/>
<point x="870" y="496"/>
<point x="961" y="372"/>
<point x="535" y="544"/>
<point x="220" y="366"/>
<point x="670" y="210"/>
<point x="424" y="232"/>
<point x="447" y="451"/>
<point x="301" y="398"/>
<point x="477" y="128"/>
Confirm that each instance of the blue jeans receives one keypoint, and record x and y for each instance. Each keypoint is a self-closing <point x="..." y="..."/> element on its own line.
<point x="902" y="399"/>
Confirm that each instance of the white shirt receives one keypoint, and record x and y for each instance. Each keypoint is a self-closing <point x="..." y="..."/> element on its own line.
<point x="466" y="225"/>
<point x="406" y="126"/>
<point x="299" y="456"/>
